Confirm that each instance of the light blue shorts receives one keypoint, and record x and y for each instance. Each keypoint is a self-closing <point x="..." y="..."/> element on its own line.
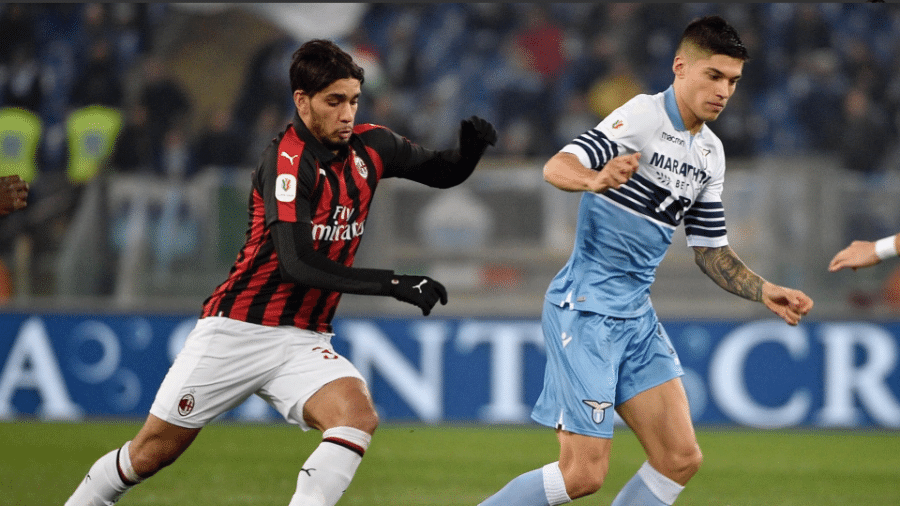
<point x="595" y="363"/>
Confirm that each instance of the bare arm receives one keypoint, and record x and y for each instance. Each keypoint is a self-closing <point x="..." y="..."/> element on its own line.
<point x="724" y="267"/>
<point x="565" y="172"/>
<point x="858" y="254"/>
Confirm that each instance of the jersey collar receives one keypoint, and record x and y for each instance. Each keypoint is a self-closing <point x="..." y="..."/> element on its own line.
<point x="672" y="109"/>
<point x="320" y="152"/>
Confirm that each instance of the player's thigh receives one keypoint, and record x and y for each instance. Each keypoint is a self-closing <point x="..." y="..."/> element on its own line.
<point x="222" y="363"/>
<point x="660" y="418"/>
<point x="584" y="351"/>
<point x="313" y="372"/>
<point x="343" y="402"/>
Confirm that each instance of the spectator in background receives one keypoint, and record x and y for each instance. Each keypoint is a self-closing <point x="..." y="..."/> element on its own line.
<point x="20" y="85"/>
<point x="167" y="103"/>
<point x="262" y="83"/>
<point x="864" y="128"/>
<point x="270" y="119"/>
<point x="175" y="161"/>
<point x="615" y="88"/>
<point x="589" y="65"/>
<point x="541" y="41"/>
<point x="516" y="88"/>
<point x="819" y="88"/>
<point x="134" y="150"/>
<point x="577" y="118"/>
<point x="401" y="63"/>
<point x="17" y="29"/>
<point x="99" y="82"/>
<point x="218" y="144"/>
<point x="807" y="31"/>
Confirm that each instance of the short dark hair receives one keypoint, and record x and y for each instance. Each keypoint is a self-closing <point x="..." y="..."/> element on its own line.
<point x="714" y="35"/>
<point x="318" y="63"/>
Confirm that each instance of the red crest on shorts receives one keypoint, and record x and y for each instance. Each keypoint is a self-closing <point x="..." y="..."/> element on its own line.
<point x="186" y="405"/>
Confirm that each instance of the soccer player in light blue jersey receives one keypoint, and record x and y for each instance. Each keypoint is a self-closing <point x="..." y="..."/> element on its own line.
<point x="646" y="168"/>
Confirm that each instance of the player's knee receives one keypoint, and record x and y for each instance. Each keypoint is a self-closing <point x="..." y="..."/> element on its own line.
<point x="366" y="421"/>
<point x="148" y="459"/>
<point x="583" y="480"/>
<point x="681" y="465"/>
<point x="689" y="462"/>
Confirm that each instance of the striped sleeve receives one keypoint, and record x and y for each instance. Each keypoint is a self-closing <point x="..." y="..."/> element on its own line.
<point x="704" y="225"/>
<point x="593" y="149"/>
<point x="625" y="130"/>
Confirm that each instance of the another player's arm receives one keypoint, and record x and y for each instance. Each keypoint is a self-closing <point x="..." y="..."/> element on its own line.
<point x="728" y="271"/>
<point x="566" y="172"/>
<point x="865" y="253"/>
<point x="437" y="169"/>
<point x="13" y="194"/>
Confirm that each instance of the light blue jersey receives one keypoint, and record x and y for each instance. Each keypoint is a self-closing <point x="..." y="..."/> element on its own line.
<point x="623" y="234"/>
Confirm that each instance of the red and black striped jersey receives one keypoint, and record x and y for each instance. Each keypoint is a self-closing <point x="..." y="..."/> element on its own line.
<point x="299" y="179"/>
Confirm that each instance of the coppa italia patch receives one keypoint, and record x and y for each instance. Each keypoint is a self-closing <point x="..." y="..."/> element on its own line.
<point x="618" y="128"/>
<point x="286" y="188"/>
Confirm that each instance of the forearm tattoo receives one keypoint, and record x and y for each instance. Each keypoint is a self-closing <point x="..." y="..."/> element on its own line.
<point x="724" y="267"/>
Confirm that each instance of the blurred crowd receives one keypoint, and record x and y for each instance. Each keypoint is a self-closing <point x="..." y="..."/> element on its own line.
<point x="823" y="78"/>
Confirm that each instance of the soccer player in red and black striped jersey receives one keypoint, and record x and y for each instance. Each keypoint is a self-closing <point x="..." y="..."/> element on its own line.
<point x="266" y="329"/>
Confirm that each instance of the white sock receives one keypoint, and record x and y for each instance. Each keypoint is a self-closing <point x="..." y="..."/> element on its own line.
<point x="327" y="472"/>
<point x="648" y="487"/>
<point x="103" y="485"/>
<point x="554" y="485"/>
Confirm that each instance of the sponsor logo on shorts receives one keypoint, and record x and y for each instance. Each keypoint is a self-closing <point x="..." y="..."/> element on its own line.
<point x="186" y="405"/>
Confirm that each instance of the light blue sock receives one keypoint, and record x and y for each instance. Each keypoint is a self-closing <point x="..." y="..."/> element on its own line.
<point x="648" y="487"/>
<point x="541" y="487"/>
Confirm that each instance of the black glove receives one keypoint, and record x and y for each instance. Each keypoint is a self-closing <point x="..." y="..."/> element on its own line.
<point x="421" y="291"/>
<point x="474" y="136"/>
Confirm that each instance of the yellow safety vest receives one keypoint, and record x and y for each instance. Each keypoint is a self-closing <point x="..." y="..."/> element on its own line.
<point x="92" y="133"/>
<point x="20" y="131"/>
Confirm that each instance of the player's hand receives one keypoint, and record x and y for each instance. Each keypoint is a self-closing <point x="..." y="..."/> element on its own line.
<point x="13" y="194"/>
<point x="791" y="305"/>
<point x="619" y="170"/>
<point x="420" y="291"/>
<point x="857" y="254"/>
<point x="475" y="134"/>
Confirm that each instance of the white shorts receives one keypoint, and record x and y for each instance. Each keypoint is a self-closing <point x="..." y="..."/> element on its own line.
<point x="224" y="361"/>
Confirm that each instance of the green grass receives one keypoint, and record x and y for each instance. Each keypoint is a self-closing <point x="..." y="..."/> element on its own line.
<point x="235" y="464"/>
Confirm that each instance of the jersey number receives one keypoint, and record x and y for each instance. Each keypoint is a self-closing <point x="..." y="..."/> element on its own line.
<point x="326" y="353"/>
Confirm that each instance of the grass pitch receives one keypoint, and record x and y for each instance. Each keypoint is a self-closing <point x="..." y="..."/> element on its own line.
<point x="419" y="465"/>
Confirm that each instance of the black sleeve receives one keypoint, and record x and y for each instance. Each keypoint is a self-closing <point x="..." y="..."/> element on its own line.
<point x="300" y="263"/>
<point x="408" y="160"/>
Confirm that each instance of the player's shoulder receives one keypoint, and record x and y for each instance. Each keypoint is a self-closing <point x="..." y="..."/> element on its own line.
<point x="639" y="116"/>
<point x="711" y="140"/>
<point x="362" y="128"/>
<point x="713" y="149"/>
<point x="374" y="135"/>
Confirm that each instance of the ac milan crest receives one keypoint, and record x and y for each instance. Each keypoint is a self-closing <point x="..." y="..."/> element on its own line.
<point x="360" y="166"/>
<point x="186" y="405"/>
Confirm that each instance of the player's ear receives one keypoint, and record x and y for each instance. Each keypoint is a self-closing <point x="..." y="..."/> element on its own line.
<point x="301" y="101"/>
<point x="679" y="66"/>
